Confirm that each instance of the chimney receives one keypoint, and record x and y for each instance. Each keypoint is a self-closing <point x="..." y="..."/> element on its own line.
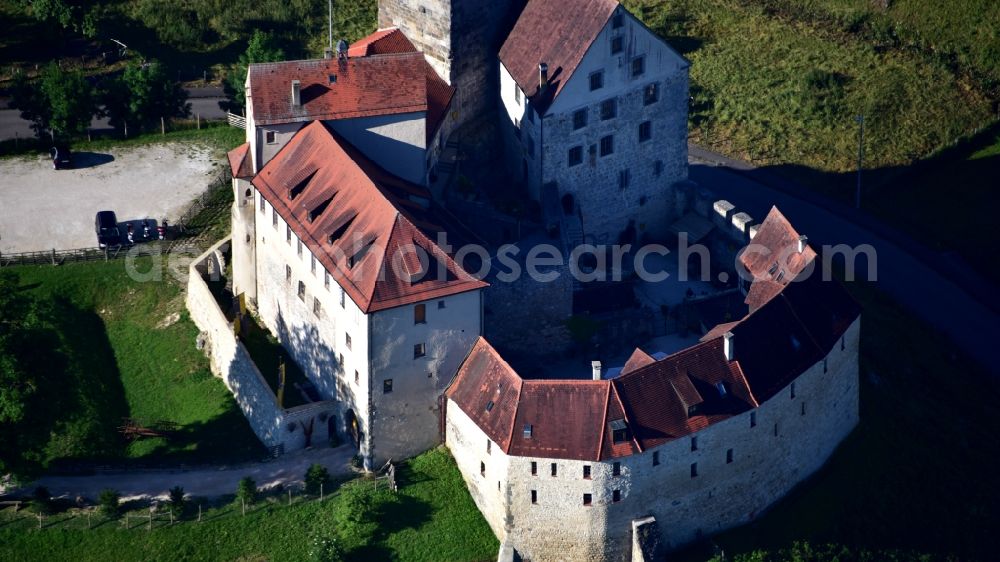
<point x="803" y="240"/>
<point x="595" y="367"/>
<point x="296" y="94"/>
<point x="543" y="76"/>
<point x="327" y="54"/>
<point x="727" y="345"/>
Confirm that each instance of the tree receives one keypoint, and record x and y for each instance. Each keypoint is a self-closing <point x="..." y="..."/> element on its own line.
<point x="143" y="95"/>
<point x="42" y="499"/>
<point x="58" y="101"/>
<point x="109" y="502"/>
<point x="176" y="501"/>
<point x="246" y="491"/>
<point x="261" y="48"/>
<point x="317" y="476"/>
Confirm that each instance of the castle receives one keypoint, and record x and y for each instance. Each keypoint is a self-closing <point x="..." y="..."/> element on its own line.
<point x="336" y="249"/>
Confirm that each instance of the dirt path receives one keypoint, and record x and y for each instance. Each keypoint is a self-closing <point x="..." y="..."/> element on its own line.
<point x="205" y="482"/>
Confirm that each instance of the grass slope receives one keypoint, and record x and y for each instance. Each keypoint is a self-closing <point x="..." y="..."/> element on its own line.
<point x="431" y="518"/>
<point x="116" y="334"/>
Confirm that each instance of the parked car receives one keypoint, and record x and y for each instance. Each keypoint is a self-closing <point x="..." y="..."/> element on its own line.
<point x="106" y="226"/>
<point x="62" y="157"/>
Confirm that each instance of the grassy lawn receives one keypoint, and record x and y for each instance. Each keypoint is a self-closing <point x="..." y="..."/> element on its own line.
<point x="218" y="136"/>
<point x="431" y="518"/>
<point x="129" y="353"/>
<point x="915" y="478"/>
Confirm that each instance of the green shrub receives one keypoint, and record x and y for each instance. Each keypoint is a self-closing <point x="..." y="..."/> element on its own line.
<point x="109" y="502"/>
<point x="246" y="491"/>
<point x="317" y="476"/>
<point x="176" y="502"/>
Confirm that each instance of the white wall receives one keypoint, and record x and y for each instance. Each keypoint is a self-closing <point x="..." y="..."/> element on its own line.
<point x="395" y="142"/>
<point x="316" y="344"/>
<point x="406" y="421"/>
<point x="516" y="153"/>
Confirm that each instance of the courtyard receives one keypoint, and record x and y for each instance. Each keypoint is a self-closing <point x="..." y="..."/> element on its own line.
<point x="43" y="209"/>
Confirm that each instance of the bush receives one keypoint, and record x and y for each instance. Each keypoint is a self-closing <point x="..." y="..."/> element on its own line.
<point x="325" y="550"/>
<point x="316" y="477"/>
<point x="176" y="501"/>
<point x="109" y="502"/>
<point x="246" y="491"/>
<point x="42" y="500"/>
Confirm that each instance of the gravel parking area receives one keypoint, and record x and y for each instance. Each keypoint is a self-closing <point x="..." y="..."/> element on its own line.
<point x="42" y="208"/>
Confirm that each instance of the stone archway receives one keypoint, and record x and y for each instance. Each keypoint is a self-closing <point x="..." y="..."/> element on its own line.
<point x="351" y="422"/>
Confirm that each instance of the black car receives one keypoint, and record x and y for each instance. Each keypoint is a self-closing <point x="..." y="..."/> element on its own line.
<point x="106" y="226"/>
<point x="62" y="157"/>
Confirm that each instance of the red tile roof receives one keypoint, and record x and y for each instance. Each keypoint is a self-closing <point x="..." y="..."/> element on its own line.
<point x="359" y="221"/>
<point x="384" y="74"/>
<point x="773" y="259"/>
<point x="382" y="42"/>
<point x="658" y="401"/>
<point x="556" y="33"/>
<point x="239" y="161"/>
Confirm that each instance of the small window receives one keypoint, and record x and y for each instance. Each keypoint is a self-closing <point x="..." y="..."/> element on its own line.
<point x="586" y="472"/>
<point x="534" y="496"/>
<point x="441" y="305"/>
<point x="826" y="365"/>
<point x="617" y="21"/>
<point x="347" y="340"/>
<point x="645" y="131"/>
<point x="791" y="391"/>
<point x="298" y="247"/>
<point x="357" y="377"/>
<point x="656" y="458"/>
<point x="575" y="156"/>
<point x="534" y="468"/>
<point x="263" y="203"/>
<point x="597" y="80"/>
<point x="623" y="178"/>
<point x="274" y="217"/>
<point x="753" y="419"/>
<point x="607" y="145"/>
<point x="316" y="307"/>
<point x="419" y="350"/>
<point x="288" y="234"/>
<point x="651" y="94"/>
<point x="694" y="443"/>
<point x="331" y="78"/>
<point x="617" y="44"/>
<point x="342" y="299"/>
<point x="326" y="280"/>
<point x="340" y="359"/>
<point x="420" y="314"/>
<point x="312" y="264"/>
<point x="269" y="137"/>
<point x="616" y="469"/>
<point x="288" y="273"/>
<point x="775" y="430"/>
<point x="489" y="446"/>
<point x="579" y="119"/>
<point x="302" y="291"/>
<point x="616" y="496"/>
<point x="386" y="386"/>
<point x="609" y="109"/>
<point x="517" y="94"/>
<point x="528" y="431"/>
<point x="694" y="469"/>
<point x="482" y="468"/>
<point x="842" y="338"/>
<point x="588" y="499"/>
<point x="657" y="167"/>
<point x="638" y="66"/>
<point x="729" y="456"/>
<point x="554" y="469"/>
<point x="802" y="408"/>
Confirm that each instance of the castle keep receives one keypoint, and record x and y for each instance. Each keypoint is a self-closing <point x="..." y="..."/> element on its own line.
<point x="337" y="249"/>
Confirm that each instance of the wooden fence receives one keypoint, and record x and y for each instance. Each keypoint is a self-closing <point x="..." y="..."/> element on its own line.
<point x="237" y="121"/>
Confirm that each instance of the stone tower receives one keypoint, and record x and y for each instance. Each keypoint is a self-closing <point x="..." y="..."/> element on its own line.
<point x="461" y="39"/>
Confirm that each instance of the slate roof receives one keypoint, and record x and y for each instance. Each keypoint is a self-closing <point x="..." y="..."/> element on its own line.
<point x="361" y="222"/>
<point x="661" y="400"/>
<point x="556" y="33"/>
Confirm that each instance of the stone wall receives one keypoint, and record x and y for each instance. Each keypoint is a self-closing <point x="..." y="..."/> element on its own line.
<point x="792" y="435"/>
<point x="460" y="39"/>
<point x="229" y="360"/>
<point x="525" y="316"/>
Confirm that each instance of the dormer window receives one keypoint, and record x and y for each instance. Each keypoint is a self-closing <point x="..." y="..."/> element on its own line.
<point x="721" y="387"/>
<point x="528" y="431"/>
<point x="332" y="78"/>
<point x="619" y="431"/>
<point x="489" y="406"/>
<point x="318" y="209"/>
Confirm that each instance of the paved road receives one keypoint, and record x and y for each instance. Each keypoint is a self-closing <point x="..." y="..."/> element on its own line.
<point x="948" y="298"/>
<point x="204" y="102"/>
<point x="205" y="482"/>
